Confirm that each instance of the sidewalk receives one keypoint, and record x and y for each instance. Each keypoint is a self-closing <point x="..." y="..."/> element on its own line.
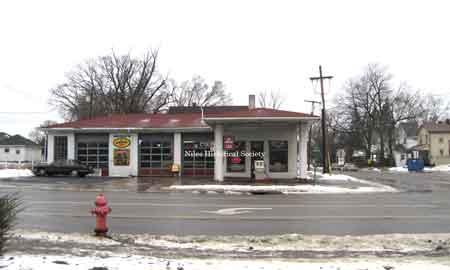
<point x="335" y="183"/>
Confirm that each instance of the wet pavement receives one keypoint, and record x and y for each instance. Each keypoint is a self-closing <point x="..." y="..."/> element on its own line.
<point x="145" y="184"/>
<point x="140" y="206"/>
<point x="408" y="181"/>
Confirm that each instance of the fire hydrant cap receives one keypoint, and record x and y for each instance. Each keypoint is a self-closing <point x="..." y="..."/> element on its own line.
<point x="100" y="200"/>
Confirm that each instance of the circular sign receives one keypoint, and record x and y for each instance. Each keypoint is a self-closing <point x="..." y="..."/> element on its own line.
<point x="121" y="142"/>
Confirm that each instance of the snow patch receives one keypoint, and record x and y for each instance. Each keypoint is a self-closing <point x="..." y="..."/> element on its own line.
<point x="124" y="261"/>
<point x="398" y="169"/>
<point x="13" y="173"/>
<point x="285" y="189"/>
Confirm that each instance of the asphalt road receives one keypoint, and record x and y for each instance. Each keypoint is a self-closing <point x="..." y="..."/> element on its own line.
<point x="422" y="207"/>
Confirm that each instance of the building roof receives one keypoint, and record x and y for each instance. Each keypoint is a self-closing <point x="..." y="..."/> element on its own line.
<point x="175" y="120"/>
<point x="410" y="128"/>
<point x="258" y="113"/>
<point x="436" y="127"/>
<point x="138" y="120"/>
<point x="17" y="140"/>
<point x="206" y="109"/>
<point x="3" y="135"/>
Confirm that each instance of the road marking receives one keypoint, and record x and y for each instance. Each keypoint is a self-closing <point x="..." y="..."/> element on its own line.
<point x="234" y="211"/>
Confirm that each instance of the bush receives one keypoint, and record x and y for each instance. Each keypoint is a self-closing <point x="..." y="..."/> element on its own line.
<point x="10" y="206"/>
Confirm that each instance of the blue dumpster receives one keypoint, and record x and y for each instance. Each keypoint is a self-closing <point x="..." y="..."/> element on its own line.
<point x="415" y="165"/>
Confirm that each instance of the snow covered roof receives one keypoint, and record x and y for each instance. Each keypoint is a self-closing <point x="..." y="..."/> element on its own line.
<point x="17" y="140"/>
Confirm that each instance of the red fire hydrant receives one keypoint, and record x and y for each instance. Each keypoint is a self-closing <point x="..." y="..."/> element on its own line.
<point x="101" y="211"/>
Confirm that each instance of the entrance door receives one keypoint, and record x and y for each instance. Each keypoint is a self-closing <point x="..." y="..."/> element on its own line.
<point x="256" y="153"/>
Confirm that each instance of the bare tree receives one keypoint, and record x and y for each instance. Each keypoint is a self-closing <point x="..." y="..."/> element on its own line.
<point x="270" y="99"/>
<point x="197" y="91"/>
<point x="434" y="108"/>
<point x="370" y="108"/>
<point x="37" y="135"/>
<point x="112" y="84"/>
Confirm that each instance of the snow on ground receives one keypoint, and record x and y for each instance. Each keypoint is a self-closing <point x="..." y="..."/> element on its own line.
<point x="294" y="189"/>
<point x="114" y="258"/>
<point x="124" y="261"/>
<point x="12" y="173"/>
<point x="285" y="242"/>
<point x="439" y="168"/>
<point x="398" y="169"/>
<point x="63" y="237"/>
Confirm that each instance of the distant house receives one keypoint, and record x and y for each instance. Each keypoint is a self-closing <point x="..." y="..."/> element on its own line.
<point x="406" y="140"/>
<point x="434" y="142"/>
<point x="18" y="149"/>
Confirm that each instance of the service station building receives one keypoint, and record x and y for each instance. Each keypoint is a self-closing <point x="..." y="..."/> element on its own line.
<point x="220" y="142"/>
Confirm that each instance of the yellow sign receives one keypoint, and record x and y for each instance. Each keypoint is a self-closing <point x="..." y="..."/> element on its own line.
<point x="121" y="142"/>
<point x="175" y="168"/>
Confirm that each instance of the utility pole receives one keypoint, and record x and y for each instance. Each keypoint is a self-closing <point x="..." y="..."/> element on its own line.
<point x="326" y="168"/>
<point x="313" y="102"/>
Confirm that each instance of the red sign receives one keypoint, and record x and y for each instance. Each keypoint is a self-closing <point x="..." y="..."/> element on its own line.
<point x="235" y="160"/>
<point x="228" y="142"/>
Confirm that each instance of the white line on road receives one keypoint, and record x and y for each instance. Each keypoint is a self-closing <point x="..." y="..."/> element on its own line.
<point x="234" y="211"/>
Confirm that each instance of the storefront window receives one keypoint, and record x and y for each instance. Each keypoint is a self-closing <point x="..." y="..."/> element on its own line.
<point x="198" y="158"/>
<point x="278" y="155"/>
<point x="156" y="154"/>
<point x="236" y="157"/>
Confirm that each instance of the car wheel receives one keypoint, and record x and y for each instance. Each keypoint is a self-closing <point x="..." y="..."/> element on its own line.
<point x="75" y="173"/>
<point x="42" y="172"/>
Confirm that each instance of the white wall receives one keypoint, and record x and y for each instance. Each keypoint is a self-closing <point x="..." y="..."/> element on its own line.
<point x="51" y="145"/>
<point x="26" y="153"/>
<point x="11" y="155"/>
<point x="124" y="171"/>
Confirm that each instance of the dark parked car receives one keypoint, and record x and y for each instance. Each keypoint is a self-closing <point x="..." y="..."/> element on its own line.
<point x="65" y="167"/>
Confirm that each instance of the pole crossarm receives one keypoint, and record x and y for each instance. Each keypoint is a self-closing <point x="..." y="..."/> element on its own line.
<point x="325" y="163"/>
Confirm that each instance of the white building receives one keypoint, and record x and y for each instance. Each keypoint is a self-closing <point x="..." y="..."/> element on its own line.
<point x="17" y="149"/>
<point x="220" y="142"/>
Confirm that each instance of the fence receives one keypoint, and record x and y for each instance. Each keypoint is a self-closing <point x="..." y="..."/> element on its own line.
<point x="18" y="164"/>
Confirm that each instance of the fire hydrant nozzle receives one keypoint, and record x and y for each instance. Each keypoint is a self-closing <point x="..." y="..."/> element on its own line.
<point x="101" y="211"/>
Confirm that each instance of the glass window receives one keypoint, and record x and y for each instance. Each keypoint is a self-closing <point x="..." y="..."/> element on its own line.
<point x="60" y="143"/>
<point x="278" y="156"/>
<point x="17" y="151"/>
<point x="197" y="157"/>
<point x="94" y="154"/>
<point x="236" y="158"/>
<point x="6" y="150"/>
<point x="156" y="154"/>
<point x="441" y="140"/>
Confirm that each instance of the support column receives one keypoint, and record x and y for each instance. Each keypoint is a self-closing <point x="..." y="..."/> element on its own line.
<point x="50" y="148"/>
<point x="303" y="151"/>
<point x="71" y="146"/>
<point x="218" y="153"/>
<point x="177" y="155"/>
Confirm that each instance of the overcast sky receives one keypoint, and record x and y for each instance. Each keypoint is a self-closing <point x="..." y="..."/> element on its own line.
<point x="250" y="45"/>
